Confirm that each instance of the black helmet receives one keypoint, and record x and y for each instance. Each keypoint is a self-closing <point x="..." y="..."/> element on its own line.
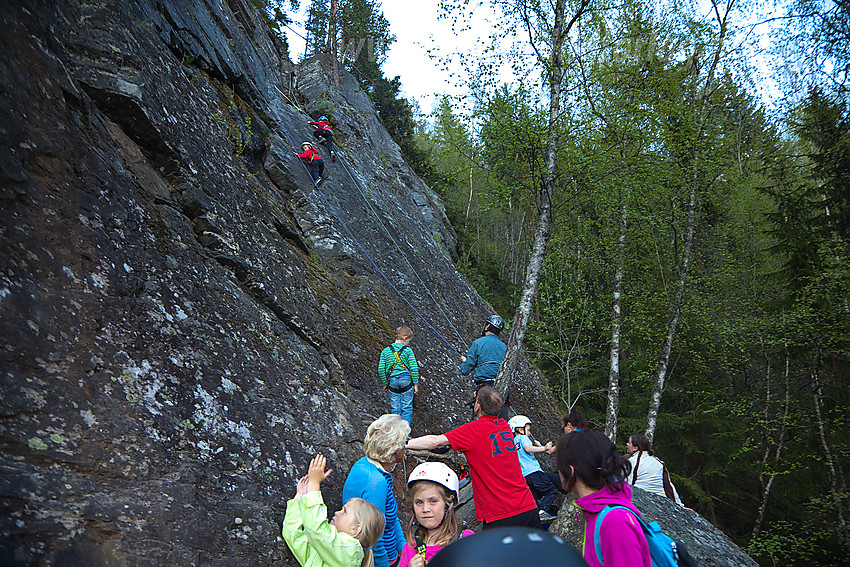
<point x="508" y="547"/>
<point x="496" y="322"/>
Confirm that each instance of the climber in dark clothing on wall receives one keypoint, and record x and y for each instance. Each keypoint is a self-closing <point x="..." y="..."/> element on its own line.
<point x="324" y="134"/>
<point x="313" y="161"/>
<point x="486" y="353"/>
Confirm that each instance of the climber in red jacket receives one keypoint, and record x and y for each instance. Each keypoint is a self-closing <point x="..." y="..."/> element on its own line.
<point x="324" y="134"/>
<point x="313" y="161"/>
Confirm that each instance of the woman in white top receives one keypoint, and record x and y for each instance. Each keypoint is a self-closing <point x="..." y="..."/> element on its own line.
<point x="647" y="471"/>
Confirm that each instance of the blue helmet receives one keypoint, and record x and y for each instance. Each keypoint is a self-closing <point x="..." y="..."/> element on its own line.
<point x="496" y="323"/>
<point x="325" y="118"/>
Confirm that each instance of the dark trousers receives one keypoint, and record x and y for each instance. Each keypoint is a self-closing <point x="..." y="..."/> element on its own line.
<point x="316" y="168"/>
<point x="528" y="519"/>
<point x="328" y="135"/>
<point x="543" y="490"/>
<point x="555" y="479"/>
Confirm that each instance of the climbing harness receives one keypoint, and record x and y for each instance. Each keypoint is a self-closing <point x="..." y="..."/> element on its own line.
<point x="463" y="476"/>
<point x="397" y="360"/>
<point x="507" y="408"/>
<point x="477" y="386"/>
<point x="421" y="548"/>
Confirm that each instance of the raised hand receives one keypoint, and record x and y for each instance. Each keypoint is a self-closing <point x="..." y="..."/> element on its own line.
<point x="317" y="473"/>
<point x="301" y="487"/>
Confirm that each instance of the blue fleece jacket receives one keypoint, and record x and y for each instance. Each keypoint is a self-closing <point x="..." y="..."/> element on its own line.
<point x="372" y="483"/>
<point x="485" y="356"/>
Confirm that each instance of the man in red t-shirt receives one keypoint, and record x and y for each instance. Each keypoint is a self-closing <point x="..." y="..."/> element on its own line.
<point x="501" y="495"/>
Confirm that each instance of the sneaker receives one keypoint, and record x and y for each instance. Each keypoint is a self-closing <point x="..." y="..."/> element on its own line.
<point x="545" y="516"/>
<point x="319" y="180"/>
<point x="321" y="139"/>
<point x="333" y="156"/>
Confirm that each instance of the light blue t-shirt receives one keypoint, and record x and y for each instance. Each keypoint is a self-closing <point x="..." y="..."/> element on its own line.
<point x="527" y="461"/>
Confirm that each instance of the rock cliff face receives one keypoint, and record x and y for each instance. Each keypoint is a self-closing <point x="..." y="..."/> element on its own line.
<point x="185" y="318"/>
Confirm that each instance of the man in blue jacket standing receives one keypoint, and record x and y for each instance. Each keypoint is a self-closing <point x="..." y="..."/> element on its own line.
<point x="485" y="354"/>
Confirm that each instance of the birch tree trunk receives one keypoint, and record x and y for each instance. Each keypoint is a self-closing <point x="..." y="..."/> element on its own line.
<point x="678" y="296"/>
<point x="543" y="230"/>
<point x="779" y="445"/>
<point x="616" y="324"/>
<point x="672" y="319"/>
<point x="332" y="37"/>
<point x="469" y="201"/>
<point x="817" y="395"/>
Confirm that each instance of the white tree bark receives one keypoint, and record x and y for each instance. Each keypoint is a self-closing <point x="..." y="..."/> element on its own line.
<point x="332" y="37"/>
<point x="678" y="295"/>
<point x="780" y="442"/>
<point x="616" y="324"/>
<point x="817" y="395"/>
<point x="543" y="230"/>
<point x="672" y="319"/>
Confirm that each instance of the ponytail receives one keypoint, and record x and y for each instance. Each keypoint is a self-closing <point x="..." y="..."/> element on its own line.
<point x="591" y="457"/>
<point x="371" y="522"/>
<point x="642" y="443"/>
<point x="368" y="558"/>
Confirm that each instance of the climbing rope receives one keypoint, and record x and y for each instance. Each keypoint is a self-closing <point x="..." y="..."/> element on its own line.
<point x="357" y="242"/>
<point x="401" y="253"/>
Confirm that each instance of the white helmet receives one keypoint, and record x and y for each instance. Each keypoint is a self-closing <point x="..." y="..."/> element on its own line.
<point x="435" y="472"/>
<point x="518" y="421"/>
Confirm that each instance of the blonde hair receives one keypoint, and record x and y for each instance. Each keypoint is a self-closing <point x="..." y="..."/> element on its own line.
<point x="371" y="522"/>
<point x="385" y="436"/>
<point x="403" y="333"/>
<point x="449" y="530"/>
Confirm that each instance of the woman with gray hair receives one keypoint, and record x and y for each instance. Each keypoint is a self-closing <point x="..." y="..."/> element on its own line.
<point x="370" y="479"/>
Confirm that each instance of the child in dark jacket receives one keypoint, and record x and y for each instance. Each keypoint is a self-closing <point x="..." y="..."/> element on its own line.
<point x="324" y="134"/>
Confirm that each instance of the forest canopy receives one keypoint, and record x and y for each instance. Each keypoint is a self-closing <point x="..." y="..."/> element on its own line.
<point x="693" y="279"/>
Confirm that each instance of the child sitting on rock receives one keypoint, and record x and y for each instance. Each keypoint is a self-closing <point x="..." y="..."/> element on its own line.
<point x="538" y="481"/>
<point x="345" y="541"/>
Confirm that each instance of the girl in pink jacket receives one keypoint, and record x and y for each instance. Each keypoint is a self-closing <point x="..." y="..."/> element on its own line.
<point x="591" y="468"/>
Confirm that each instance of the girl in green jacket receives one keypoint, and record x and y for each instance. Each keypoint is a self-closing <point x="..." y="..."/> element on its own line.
<point x="345" y="541"/>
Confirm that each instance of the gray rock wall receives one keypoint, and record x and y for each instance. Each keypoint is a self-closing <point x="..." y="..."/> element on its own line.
<point x="184" y="320"/>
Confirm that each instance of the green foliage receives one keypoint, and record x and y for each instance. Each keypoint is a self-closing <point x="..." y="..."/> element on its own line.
<point x="274" y="13"/>
<point x="236" y="117"/>
<point x="767" y="292"/>
<point x="395" y="112"/>
<point x="806" y="542"/>
<point x="362" y="33"/>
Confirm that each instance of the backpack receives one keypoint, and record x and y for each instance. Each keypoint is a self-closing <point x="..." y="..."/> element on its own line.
<point x="664" y="550"/>
<point x="665" y="477"/>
